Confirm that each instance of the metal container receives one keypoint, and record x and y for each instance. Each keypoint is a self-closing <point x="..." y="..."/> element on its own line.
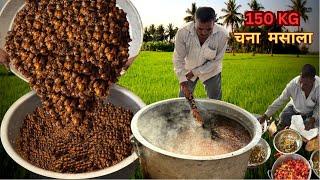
<point x="13" y="119"/>
<point x="314" y="155"/>
<point x="12" y="7"/>
<point x="287" y="134"/>
<point x="265" y="146"/>
<point x="284" y="158"/>
<point x="159" y="163"/>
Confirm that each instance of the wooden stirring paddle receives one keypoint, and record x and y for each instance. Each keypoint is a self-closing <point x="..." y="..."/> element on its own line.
<point x="195" y="112"/>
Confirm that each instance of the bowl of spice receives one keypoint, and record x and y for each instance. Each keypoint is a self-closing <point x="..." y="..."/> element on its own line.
<point x="314" y="160"/>
<point x="287" y="141"/>
<point x="290" y="166"/>
<point x="70" y="158"/>
<point x="72" y="30"/>
<point x="259" y="154"/>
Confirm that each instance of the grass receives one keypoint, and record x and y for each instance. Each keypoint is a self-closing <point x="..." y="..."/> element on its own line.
<point x="251" y="82"/>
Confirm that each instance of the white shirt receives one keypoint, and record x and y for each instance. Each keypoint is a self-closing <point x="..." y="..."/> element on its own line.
<point x="300" y="103"/>
<point x="204" y="61"/>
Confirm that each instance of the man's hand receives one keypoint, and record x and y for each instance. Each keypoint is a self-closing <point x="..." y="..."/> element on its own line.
<point x="310" y="124"/>
<point x="4" y="59"/>
<point x="189" y="75"/>
<point x="262" y="118"/>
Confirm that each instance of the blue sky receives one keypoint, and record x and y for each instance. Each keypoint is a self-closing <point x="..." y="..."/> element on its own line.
<point x="173" y="11"/>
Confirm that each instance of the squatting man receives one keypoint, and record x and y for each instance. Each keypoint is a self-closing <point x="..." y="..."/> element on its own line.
<point x="303" y="93"/>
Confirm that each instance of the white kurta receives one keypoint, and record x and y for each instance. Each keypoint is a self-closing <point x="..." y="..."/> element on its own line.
<point x="204" y="61"/>
<point x="300" y="103"/>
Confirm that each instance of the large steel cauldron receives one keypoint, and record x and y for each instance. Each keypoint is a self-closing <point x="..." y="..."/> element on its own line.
<point x="160" y="163"/>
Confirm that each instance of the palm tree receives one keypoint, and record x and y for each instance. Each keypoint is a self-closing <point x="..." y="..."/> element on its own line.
<point x="152" y="31"/>
<point x="171" y="32"/>
<point x="255" y="6"/>
<point x="217" y="20"/>
<point x="191" y="13"/>
<point x="160" y="33"/>
<point x="232" y="17"/>
<point x="300" y="7"/>
<point x="146" y="35"/>
<point x="274" y="28"/>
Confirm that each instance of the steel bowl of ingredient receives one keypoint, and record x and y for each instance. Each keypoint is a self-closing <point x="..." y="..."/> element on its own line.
<point x="12" y="7"/>
<point x="259" y="154"/>
<point x="287" y="141"/>
<point x="170" y="144"/>
<point x="290" y="166"/>
<point x="314" y="161"/>
<point x="13" y="120"/>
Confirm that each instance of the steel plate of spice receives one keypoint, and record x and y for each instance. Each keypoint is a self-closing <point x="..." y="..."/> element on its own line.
<point x="258" y="155"/>
<point x="287" y="145"/>
<point x="287" y="141"/>
<point x="316" y="165"/>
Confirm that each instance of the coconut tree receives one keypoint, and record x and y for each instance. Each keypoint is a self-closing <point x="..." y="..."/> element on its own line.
<point x="171" y="32"/>
<point x="217" y="20"/>
<point x="300" y="7"/>
<point x="146" y="35"/>
<point x="152" y="31"/>
<point x="232" y="17"/>
<point x="191" y="13"/>
<point x="264" y="36"/>
<point x="160" y="33"/>
<point x="255" y="6"/>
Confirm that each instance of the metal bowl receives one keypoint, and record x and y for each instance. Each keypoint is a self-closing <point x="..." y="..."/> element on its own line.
<point x="12" y="7"/>
<point x="151" y="123"/>
<point x="265" y="146"/>
<point x="287" y="135"/>
<point x="284" y="158"/>
<point x="13" y="119"/>
<point x="314" y="155"/>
